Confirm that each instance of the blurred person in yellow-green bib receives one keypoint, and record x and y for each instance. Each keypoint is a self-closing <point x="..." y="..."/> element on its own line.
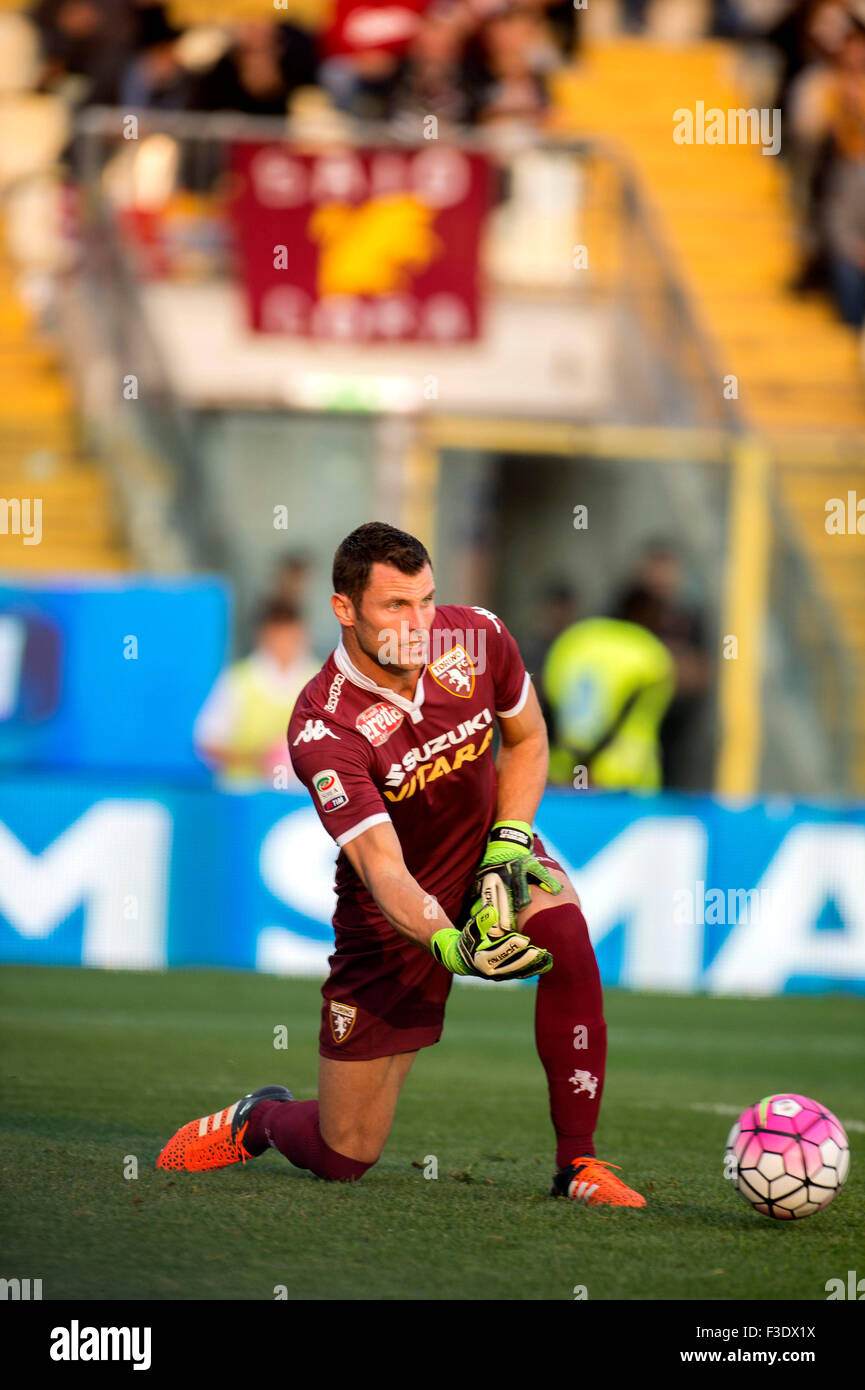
<point x="607" y="684"/>
<point x="241" y="729"/>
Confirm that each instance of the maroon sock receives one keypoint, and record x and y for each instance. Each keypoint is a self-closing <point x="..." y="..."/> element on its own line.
<point x="570" y="1031"/>
<point x="292" y="1127"/>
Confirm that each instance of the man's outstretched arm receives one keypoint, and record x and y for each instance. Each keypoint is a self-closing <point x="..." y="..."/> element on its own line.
<point x="376" y="858"/>
<point x="481" y="948"/>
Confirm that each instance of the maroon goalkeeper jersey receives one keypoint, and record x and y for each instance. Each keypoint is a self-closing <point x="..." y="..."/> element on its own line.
<point x="367" y="755"/>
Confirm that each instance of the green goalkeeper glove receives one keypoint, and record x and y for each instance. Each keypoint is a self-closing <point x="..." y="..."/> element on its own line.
<point x="509" y="859"/>
<point x="484" y="948"/>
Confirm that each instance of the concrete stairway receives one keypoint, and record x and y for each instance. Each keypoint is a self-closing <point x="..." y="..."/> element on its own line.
<point x="40" y="457"/>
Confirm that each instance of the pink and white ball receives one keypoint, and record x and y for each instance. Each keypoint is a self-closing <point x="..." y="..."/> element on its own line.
<point x="788" y="1156"/>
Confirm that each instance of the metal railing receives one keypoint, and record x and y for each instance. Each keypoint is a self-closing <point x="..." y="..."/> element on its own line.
<point x="629" y="267"/>
<point x="141" y="428"/>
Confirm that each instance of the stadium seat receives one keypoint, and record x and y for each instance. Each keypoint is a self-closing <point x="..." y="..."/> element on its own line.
<point x="39" y="453"/>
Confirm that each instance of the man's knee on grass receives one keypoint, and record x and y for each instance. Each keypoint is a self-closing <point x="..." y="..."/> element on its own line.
<point x="332" y="1165"/>
<point x="359" y="1146"/>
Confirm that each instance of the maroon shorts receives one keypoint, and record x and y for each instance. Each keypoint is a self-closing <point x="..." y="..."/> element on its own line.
<point x="384" y="995"/>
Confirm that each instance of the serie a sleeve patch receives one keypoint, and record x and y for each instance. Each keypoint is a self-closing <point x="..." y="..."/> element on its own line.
<point x="329" y="789"/>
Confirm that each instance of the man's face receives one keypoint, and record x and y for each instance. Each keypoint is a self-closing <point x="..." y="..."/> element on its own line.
<point x="394" y="616"/>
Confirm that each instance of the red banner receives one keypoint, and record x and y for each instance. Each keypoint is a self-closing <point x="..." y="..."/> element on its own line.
<point x="361" y="245"/>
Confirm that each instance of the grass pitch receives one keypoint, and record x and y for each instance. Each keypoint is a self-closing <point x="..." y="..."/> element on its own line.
<point x="100" y="1067"/>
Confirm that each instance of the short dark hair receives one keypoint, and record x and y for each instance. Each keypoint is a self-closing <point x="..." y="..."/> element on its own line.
<point x="277" y="611"/>
<point x="374" y="542"/>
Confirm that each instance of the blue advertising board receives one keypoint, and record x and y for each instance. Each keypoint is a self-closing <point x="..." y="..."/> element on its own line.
<point x="108" y="676"/>
<point x="681" y="893"/>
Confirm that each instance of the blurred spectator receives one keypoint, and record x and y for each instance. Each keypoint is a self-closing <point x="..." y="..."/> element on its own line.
<point x="241" y="728"/>
<point x="560" y="18"/>
<point x="462" y="60"/>
<point x="824" y="118"/>
<point x="563" y="21"/>
<point x="430" y="79"/>
<point x="654" y="600"/>
<point x="844" y="205"/>
<point x="556" y="609"/>
<point x="808" y="31"/>
<point x="155" y="77"/>
<point x="363" y="46"/>
<point x="514" y="54"/>
<point x="86" y="43"/>
<point x="265" y="64"/>
<point x="291" y="579"/>
<point x="634" y="15"/>
<point x="607" y="684"/>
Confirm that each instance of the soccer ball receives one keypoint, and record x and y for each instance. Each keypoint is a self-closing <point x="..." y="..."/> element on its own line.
<point x="788" y="1156"/>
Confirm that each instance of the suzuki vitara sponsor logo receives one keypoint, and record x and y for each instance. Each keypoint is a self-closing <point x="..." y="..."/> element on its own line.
<point x="434" y="746"/>
<point x="429" y="762"/>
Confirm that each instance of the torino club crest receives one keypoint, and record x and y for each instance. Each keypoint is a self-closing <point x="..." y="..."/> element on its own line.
<point x="454" y="672"/>
<point x="342" y="1019"/>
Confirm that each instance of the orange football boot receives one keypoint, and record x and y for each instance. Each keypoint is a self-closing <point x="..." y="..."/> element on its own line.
<point x="589" y="1180"/>
<point x="216" y="1141"/>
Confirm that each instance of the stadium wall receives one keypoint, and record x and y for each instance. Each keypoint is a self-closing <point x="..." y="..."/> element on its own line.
<point x="681" y="893"/>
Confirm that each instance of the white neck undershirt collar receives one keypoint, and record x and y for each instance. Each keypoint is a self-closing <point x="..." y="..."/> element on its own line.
<point x="412" y="708"/>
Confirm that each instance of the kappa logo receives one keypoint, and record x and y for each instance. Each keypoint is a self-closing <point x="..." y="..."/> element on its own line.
<point x="454" y="672"/>
<point x="485" y="613"/>
<point x="313" y="730"/>
<point x="378" y="722"/>
<point x="584" y="1081"/>
<point x="334" y="693"/>
<point x="342" y="1020"/>
<point x="331" y="792"/>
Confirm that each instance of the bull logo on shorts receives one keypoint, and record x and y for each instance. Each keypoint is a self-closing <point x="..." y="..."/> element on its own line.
<point x="342" y="1017"/>
<point x="584" y="1081"/>
<point x="454" y="672"/>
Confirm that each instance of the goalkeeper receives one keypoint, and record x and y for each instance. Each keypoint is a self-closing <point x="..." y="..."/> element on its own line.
<point x="439" y="874"/>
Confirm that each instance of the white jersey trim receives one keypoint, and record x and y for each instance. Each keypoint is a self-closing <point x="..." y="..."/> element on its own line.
<point x="520" y="705"/>
<point x="348" y="835"/>
<point x="412" y="708"/>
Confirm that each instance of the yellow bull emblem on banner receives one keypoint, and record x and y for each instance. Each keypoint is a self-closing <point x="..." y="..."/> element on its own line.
<point x="375" y="248"/>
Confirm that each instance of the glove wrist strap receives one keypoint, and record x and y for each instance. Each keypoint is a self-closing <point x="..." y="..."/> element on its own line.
<point x="511" y="832"/>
